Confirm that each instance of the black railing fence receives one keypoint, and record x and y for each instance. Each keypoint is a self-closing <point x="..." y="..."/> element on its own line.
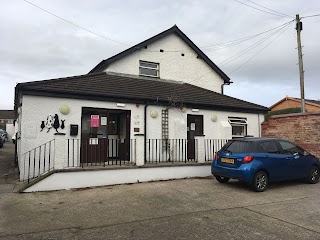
<point x="38" y="161"/>
<point x="108" y="152"/>
<point x="212" y="146"/>
<point x="170" y="150"/>
<point x="100" y="152"/>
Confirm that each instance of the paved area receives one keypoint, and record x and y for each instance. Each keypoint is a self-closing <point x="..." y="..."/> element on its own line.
<point x="8" y="172"/>
<point x="180" y="209"/>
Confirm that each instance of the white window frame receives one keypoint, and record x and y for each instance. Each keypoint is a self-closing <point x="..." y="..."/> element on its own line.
<point x="144" y="67"/>
<point x="238" y="122"/>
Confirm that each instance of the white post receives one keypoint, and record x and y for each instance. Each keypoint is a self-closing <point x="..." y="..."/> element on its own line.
<point x="140" y="149"/>
<point x="200" y="148"/>
<point x="59" y="150"/>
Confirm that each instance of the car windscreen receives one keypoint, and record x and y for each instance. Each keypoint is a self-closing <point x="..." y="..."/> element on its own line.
<point x="238" y="146"/>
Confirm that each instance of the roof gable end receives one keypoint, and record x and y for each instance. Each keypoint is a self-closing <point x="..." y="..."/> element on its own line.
<point x="103" y="64"/>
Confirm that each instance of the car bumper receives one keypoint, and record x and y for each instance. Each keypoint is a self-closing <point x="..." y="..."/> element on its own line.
<point x="242" y="173"/>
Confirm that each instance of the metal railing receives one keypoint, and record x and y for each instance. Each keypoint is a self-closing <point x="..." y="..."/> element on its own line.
<point x="101" y="152"/>
<point x="38" y="161"/>
<point x="170" y="150"/>
<point x="212" y="146"/>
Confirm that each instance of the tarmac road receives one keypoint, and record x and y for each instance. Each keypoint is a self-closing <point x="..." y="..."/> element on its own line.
<point x="180" y="209"/>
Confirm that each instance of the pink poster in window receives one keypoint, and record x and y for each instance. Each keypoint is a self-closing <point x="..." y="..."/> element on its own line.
<point x="94" y="121"/>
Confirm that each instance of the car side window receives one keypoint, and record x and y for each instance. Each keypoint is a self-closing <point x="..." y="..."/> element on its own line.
<point x="269" y="147"/>
<point x="290" y="148"/>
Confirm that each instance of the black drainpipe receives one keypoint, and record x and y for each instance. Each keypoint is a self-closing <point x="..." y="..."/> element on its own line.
<point x="145" y="131"/>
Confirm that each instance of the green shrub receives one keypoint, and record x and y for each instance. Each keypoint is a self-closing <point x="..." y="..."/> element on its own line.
<point x="282" y="111"/>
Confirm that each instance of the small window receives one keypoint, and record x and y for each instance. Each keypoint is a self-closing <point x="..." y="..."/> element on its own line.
<point x="149" y="69"/>
<point x="239" y="126"/>
<point x="269" y="147"/>
<point x="290" y="148"/>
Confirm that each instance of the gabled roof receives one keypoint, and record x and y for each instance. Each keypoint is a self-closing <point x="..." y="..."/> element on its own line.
<point x="103" y="64"/>
<point x="307" y="101"/>
<point x="107" y="87"/>
<point x="6" y="114"/>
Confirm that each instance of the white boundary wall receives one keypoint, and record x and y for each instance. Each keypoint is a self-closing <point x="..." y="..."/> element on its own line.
<point x="82" y="179"/>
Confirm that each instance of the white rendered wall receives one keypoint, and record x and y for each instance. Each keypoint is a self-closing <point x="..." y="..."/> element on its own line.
<point x="10" y="130"/>
<point x="36" y="108"/>
<point x="211" y="130"/>
<point x="69" y="180"/>
<point x="173" y="66"/>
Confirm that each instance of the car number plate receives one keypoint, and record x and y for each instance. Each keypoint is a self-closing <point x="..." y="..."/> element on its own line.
<point x="227" y="160"/>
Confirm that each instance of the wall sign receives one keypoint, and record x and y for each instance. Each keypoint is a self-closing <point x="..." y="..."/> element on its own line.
<point x="104" y="121"/>
<point x="94" y="121"/>
<point x="52" y="122"/>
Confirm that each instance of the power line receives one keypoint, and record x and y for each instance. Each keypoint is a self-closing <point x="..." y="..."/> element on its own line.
<point x="278" y="15"/>
<point x="241" y="53"/>
<point x="285" y="15"/>
<point x="317" y="15"/>
<point x="259" y="50"/>
<point x="74" y="24"/>
<point x="240" y="40"/>
<point x="256" y="44"/>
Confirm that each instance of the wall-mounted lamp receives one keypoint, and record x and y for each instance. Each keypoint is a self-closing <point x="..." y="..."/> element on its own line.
<point x="183" y="109"/>
<point x="153" y="113"/>
<point x="195" y="110"/>
<point x="121" y="105"/>
<point x="64" y="109"/>
<point x="214" y="118"/>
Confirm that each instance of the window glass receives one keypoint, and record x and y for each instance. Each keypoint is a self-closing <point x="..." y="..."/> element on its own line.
<point x="148" y="65"/>
<point x="290" y="148"/>
<point x="239" y="126"/>
<point x="149" y="72"/>
<point x="238" y="147"/>
<point x="269" y="147"/>
<point x="149" y="69"/>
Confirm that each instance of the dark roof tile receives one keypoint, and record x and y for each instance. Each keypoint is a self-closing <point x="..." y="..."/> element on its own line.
<point x="124" y="87"/>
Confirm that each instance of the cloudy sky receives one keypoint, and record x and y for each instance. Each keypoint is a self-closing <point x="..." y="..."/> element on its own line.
<point x="36" y="45"/>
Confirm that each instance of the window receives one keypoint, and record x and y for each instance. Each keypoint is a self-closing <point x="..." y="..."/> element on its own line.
<point x="290" y="148"/>
<point x="269" y="147"/>
<point x="239" y="126"/>
<point x="149" y="69"/>
<point x="236" y="146"/>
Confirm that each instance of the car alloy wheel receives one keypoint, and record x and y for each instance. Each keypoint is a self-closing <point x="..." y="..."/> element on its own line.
<point x="313" y="175"/>
<point x="221" y="179"/>
<point x="260" y="181"/>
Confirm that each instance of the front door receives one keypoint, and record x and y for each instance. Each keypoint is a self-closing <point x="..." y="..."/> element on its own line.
<point x="105" y="136"/>
<point x="194" y="128"/>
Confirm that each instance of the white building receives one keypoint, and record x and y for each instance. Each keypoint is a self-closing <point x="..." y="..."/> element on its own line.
<point x="159" y="101"/>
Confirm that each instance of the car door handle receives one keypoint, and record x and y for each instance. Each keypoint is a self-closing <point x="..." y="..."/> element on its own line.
<point x="289" y="158"/>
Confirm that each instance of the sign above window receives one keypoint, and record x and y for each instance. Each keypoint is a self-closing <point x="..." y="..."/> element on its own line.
<point x="149" y="69"/>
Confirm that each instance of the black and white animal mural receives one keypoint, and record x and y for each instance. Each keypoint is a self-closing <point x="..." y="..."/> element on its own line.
<point x="52" y="122"/>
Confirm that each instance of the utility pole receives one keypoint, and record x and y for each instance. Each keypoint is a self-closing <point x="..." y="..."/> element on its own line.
<point x="299" y="29"/>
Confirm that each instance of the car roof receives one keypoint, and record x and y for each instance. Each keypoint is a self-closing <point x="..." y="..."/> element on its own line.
<point x="254" y="139"/>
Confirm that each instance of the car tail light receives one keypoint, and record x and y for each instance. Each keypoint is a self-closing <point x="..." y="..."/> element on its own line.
<point x="216" y="156"/>
<point x="247" y="159"/>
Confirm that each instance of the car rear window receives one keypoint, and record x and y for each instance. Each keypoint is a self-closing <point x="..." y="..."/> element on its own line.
<point x="238" y="146"/>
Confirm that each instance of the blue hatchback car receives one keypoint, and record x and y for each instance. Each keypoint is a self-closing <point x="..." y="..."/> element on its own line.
<point x="259" y="161"/>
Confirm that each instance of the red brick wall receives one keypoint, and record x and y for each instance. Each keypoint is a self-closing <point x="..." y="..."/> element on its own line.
<point x="300" y="128"/>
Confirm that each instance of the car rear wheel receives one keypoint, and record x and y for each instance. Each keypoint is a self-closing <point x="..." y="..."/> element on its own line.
<point x="313" y="176"/>
<point x="260" y="181"/>
<point x="221" y="179"/>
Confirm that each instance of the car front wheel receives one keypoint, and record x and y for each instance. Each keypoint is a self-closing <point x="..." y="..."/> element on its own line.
<point x="313" y="176"/>
<point x="221" y="179"/>
<point x="260" y="181"/>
